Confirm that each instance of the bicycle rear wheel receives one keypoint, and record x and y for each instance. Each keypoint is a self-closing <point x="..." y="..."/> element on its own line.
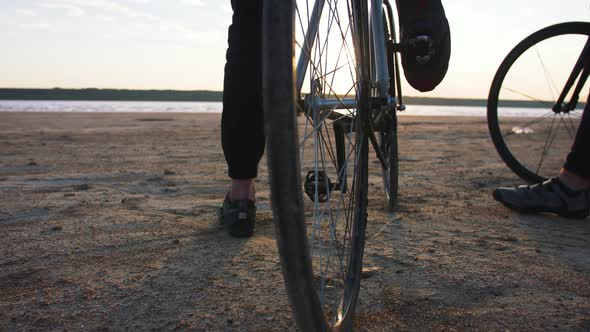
<point x="318" y="161"/>
<point x="388" y="131"/>
<point x="533" y="139"/>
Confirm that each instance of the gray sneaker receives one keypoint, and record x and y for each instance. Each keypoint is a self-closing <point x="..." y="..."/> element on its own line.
<point x="238" y="217"/>
<point x="550" y="196"/>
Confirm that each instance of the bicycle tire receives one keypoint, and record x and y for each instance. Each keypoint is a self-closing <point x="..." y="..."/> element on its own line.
<point x="521" y="157"/>
<point x="388" y="142"/>
<point x="310" y="299"/>
<point x="388" y="133"/>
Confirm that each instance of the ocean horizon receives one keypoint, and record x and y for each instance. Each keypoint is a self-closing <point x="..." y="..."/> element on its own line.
<point x="54" y="106"/>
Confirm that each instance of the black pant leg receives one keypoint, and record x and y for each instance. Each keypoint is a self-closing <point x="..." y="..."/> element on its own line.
<point x="578" y="160"/>
<point x="242" y="127"/>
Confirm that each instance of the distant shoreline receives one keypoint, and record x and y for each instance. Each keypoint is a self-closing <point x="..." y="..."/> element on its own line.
<point x="92" y="94"/>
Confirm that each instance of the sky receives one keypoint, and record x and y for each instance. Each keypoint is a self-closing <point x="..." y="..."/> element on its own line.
<point x="181" y="44"/>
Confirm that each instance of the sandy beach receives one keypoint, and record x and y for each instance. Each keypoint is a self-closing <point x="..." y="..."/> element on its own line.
<point x="109" y="222"/>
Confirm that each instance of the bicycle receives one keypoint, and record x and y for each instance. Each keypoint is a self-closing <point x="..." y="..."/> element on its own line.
<point x="321" y="119"/>
<point x="534" y="142"/>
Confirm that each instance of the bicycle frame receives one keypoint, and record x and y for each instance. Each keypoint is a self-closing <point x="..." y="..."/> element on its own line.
<point x="381" y="80"/>
<point x="379" y="89"/>
<point x="582" y="66"/>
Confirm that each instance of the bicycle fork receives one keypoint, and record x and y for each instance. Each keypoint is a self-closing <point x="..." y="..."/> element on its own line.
<point x="371" y="110"/>
<point x="583" y="66"/>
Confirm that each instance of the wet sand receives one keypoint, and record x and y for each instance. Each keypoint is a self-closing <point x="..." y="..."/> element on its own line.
<point x="109" y="222"/>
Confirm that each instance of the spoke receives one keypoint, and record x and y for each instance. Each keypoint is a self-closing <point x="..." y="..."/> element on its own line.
<point x="316" y="230"/>
<point x="544" y="103"/>
<point x="332" y="236"/>
<point x="351" y="211"/>
<point x="322" y="48"/>
<point x="307" y="48"/>
<point x="328" y="145"/>
<point x="315" y="127"/>
<point x="316" y="67"/>
<point x="325" y="48"/>
<point x="548" y="143"/>
<point x="324" y="122"/>
<point x="331" y="75"/>
<point x="548" y="78"/>
<point x="569" y="130"/>
<point x="330" y="87"/>
<point x="342" y="49"/>
<point x="352" y="149"/>
<point x="576" y="114"/>
<point x="344" y="46"/>
<point x="333" y="243"/>
<point x="572" y="124"/>
<point x="324" y="169"/>
<point x="530" y="123"/>
<point x="322" y="77"/>
<point x="302" y="144"/>
<point x="347" y="213"/>
<point x="321" y="145"/>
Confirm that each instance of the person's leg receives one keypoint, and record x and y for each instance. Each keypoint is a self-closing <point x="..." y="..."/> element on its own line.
<point x="576" y="171"/>
<point x="242" y="128"/>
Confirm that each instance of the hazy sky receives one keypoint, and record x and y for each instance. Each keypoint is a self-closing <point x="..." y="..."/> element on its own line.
<point x="180" y="44"/>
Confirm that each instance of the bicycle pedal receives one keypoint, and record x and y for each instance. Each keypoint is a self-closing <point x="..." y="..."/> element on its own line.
<point x="322" y="184"/>
<point x="422" y="48"/>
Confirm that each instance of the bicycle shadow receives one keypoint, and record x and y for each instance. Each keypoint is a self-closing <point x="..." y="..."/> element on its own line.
<point x="451" y="269"/>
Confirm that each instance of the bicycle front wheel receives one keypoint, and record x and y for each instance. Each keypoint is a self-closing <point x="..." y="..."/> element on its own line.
<point x="318" y="160"/>
<point x="531" y="137"/>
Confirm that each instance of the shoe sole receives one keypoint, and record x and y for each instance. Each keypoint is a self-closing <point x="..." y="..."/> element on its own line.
<point x="566" y="214"/>
<point x="241" y="230"/>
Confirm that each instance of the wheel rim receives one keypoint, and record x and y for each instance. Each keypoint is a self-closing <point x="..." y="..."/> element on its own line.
<point x="536" y="140"/>
<point x="331" y="193"/>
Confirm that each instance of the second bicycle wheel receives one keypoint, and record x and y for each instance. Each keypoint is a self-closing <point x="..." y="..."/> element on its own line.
<point x="529" y="135"/>
<point x="318" y="160"/>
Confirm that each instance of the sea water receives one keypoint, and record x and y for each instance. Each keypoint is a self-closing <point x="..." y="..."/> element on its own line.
<point x="216" y="107"/>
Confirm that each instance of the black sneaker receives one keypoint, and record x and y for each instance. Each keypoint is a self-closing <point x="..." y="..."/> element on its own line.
<point x="238" y="217"/>
<point x="550" y="196"/>
<point x="426" y="42"/>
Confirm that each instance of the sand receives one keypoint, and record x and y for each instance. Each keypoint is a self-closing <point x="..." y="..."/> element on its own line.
<point x="109" y="222"/>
